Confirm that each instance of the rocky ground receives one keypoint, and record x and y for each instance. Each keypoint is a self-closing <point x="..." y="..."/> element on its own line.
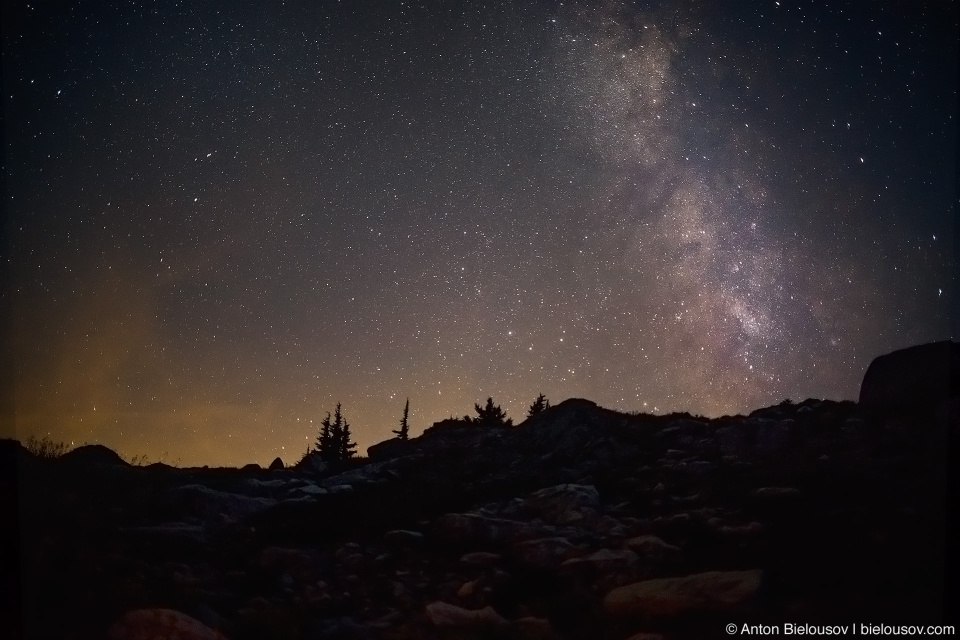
<point x="579" y="523"/>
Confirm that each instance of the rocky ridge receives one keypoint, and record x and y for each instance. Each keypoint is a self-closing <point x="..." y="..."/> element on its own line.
<point x="579" y="523"/>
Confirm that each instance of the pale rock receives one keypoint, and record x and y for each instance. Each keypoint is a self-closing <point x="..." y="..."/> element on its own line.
<point x="312" y="489"/>
<point x="340" y="489"/>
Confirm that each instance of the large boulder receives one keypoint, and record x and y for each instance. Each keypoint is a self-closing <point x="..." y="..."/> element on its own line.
<point x="713" y="591"/>
<point x="389" y="449"/>
<point x="914" y="380"/>
<point x="93" y="455"/>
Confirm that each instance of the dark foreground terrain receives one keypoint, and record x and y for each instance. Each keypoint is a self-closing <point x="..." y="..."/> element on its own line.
<point x="579" y="523"/>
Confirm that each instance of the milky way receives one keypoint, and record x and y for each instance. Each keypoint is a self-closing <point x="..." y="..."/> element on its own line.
<point x="226" y="219"/>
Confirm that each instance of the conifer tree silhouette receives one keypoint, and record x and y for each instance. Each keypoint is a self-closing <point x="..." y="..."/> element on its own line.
<point x="403" y="433"/>
<point x="348" y="449"/>
<point x="325" y="439"/>
<point x="538" y="405"/>
<point x="491" y="415"/>
<point x="334" y="442"/>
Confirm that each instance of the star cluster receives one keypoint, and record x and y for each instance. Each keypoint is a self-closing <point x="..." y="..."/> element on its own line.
<point x="225" y="218"/>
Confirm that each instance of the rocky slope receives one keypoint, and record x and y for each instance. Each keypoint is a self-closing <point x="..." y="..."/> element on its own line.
<point x="579" y="523"/>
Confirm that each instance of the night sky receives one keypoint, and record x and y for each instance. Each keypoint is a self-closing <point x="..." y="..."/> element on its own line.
<point x="226" y="217"/>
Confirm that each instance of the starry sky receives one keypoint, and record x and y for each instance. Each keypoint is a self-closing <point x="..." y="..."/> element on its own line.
<point x="225" y="217"/>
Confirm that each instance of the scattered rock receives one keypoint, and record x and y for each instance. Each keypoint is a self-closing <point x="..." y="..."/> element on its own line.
<point x="566" y="503"/>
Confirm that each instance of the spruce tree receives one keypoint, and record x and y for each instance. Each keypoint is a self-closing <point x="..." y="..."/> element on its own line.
<point x="538" y="405"/>
<point x="336" y="435"/>
<point x="491" y="415"/>
<point x="348" y="449"/>
<point x="403" y="433"/>
<point x="325" y="439"/>
<point x="334" y="442"/>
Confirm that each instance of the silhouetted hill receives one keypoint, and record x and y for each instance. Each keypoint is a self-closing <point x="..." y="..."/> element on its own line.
<point x="580" y="522"/>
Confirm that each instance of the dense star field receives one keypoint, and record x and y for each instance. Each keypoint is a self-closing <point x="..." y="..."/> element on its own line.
<point x="224" y="218"/>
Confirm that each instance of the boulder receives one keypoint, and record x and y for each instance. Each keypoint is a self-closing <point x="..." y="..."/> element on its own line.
<point x="389" y="449"/>
<point x="276" y="464"/>
<point x="311" y="489"/>
<point x="93" y="455"/>
<point x="651" y="546"/>
<point x="312" y="463"/>
<point x="713" y="591"/>
<point x="161" y="624"/>
<point x="604" y="561"/>
<point x="913" y="380"/>
<point x="443" y="614"/>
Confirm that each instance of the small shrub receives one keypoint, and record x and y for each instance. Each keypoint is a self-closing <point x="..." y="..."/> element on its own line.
<point x="45" y="447"/>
